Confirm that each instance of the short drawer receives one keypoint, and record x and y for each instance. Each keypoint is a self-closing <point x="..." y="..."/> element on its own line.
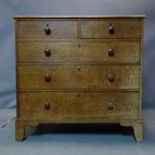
<point x="46" y="29"/>
<point x="110" y="29"/>
<point x="61" y="77"/>
<point x="106" y="51"/>
<point x="76" y="105"/>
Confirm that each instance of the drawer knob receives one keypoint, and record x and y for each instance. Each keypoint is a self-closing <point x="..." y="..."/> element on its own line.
<point x="47" y="106"/>
<point x="110" y="106"/>
<point x="111" y="52"/>
<point x="47" y="78"/>
<point x="111" y="77"/>
<point x="47" y="30"/>
<point x="47" y="52"/>
<point x="111" y="29"/>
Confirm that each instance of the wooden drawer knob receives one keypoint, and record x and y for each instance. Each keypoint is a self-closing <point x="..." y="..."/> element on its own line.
<point x="111" y="52"/>
<point x="47" y="106"/>
<point x="110" y="106"/>
<point x="47" y="52"/>
<point x="47" y="78"/>
<point x="111" y="77"/>
<point x="47" y="30"/>
<point x="111" y="29"/>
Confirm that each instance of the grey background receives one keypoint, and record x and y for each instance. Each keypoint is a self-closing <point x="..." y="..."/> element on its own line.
<point x="10" y="8"/>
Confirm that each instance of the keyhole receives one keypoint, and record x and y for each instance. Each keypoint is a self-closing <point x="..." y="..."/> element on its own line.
<point x="78" y="95"/>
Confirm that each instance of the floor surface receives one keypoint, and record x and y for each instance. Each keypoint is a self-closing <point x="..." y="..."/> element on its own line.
<point x="68" y="142"/>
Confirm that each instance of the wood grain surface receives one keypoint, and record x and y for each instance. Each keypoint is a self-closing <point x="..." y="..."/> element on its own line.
<point x="35" y="29"/>
<point x="99" y="29"/>
<point x="79" y="104"/>
<point x="87" y="51"/>
<point x="78" y="77"/>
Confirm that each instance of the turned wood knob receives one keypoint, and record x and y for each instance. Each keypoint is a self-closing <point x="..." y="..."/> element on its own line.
<point x="47" y="106"/>
<point x="110" y="106"/>
<point x="111" y="77"/>
<point x="111" y="29"/>
<point x="111" y="52"/>
<point x="47" y="52"/>
<point x="47" y="78"/>
<point x="47" y="30"/>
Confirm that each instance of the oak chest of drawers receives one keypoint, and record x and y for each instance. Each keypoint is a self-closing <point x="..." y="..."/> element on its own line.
<point x="79" y="70"/>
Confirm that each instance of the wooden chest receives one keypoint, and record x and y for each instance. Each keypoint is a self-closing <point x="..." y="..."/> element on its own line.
<point x="79" y="70"/>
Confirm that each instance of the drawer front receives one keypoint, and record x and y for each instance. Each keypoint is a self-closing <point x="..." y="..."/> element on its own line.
<point x="78" y="77"/>
<point x="110" y="29"/>
<point x="46" y="29"/>
<point x="61" y="105"/>
<point x="107" y="51"/>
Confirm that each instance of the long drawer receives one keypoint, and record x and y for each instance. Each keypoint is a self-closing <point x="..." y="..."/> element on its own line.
<point x="116" y="105"/>
<point x="78" y="77"/>
<point x="49" y="29"/>
<point x="101" y="51"/>
<point x="110" y="29"/>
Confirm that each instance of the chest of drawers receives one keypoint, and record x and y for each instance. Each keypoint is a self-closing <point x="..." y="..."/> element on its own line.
<point x="79" y="70"/>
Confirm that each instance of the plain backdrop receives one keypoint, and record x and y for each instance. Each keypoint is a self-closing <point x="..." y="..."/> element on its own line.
<point x="10" y="8"/>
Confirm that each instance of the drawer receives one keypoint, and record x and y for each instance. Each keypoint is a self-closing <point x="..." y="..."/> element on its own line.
<point x="46" y="29"/>
<point x="78" y="77"/>
<point x="106" y="51"/>
<point x="110" y="29"/>
<point x="76" y="105"/>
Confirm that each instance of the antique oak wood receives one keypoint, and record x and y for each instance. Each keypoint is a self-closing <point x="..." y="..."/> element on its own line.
<point x="95" y="51"/>
<point x="85" y="69"/>
<point x="43" y="105"/>
<point x="43" y="77"/>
